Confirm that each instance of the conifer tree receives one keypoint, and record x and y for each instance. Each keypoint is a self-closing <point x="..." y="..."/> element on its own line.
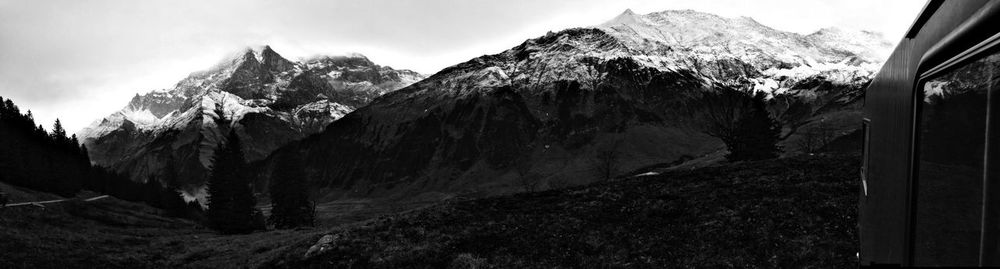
<point x="290" y="205"/>
<point x="58" y="133"/>
<point x="757" y="134"/>
<point x="230" y="201"/>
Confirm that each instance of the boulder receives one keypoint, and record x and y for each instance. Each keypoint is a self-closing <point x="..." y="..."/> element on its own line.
<point x="325" y="243"/>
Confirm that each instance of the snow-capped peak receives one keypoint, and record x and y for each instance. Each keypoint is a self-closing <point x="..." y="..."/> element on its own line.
<point x="626" y="18"/>
<point x="257" y="74"/>
<point x="355" y="55"/>
<point x="686" y="39"/>
<point x="258" y="52"/>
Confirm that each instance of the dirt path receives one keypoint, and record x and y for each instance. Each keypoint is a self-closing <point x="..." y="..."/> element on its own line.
<point x="41" y="203"/>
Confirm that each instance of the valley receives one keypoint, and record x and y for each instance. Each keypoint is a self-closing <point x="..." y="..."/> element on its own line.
<point x="670" y="139"/>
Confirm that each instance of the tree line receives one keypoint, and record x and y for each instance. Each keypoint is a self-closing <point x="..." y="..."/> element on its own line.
<point x="34" y="158"/>
<point x="231" y="204"/>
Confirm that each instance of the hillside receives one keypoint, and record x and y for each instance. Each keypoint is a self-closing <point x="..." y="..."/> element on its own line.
<point x="791" y="212"/>
<point x="784" y="213"/>
<point x="112" y="233"/>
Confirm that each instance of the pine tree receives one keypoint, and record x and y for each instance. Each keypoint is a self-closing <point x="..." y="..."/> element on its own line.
<point x="58" y="133"/>
<point x="230" y="202"/>
<point x="30" y="157"/>
<point x="756" y="134"/>
<point x="290" y="205"/>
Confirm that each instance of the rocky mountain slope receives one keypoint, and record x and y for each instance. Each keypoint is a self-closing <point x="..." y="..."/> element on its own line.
<point x="541" y="111"/>
<point x="171" y="134"/>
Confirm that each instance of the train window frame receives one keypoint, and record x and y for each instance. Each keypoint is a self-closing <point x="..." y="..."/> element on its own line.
<point x="973" y="53"/>
<point x="866" y="153"/>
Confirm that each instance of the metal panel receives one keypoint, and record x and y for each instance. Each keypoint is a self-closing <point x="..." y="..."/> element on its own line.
<point x="889" y="105"/>
<point x="882" y="213"/>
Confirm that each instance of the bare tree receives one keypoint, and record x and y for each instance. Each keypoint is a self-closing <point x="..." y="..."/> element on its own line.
<point x="814" y="139"/>
<point x="717" y="113"/>
<point x="525" y="177"/>
<point x="606" y="160"/>
<point x="739" y="118"/>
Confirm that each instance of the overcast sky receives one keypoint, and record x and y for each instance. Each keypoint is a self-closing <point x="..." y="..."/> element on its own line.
<point x="82" y="60"/>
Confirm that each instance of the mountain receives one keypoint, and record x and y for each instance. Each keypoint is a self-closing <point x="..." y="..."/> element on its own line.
<point x="816" y="80"/>
<point x="719" y="47"/>
<point x="171" y="134"/>
<point x="545" y="109"/>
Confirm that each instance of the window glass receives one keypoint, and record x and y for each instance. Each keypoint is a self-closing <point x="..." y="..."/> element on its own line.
<point x="951" y="157"/>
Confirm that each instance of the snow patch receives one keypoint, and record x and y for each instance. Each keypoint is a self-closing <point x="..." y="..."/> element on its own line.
<point x="646" y="174"/>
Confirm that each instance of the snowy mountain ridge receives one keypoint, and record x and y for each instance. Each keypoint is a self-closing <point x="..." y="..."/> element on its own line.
<point x="687" y="39"/>
<point x="743" y="38"/>
<point x="266" y="99"/>
<point x="158" y="110"/>
<point x="724" y="50"/>
<point x="545" y="108"/>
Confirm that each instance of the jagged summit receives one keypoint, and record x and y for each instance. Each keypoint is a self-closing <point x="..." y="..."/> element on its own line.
<point x="353" y="57"/>
<point x="262" y="55"/>
<point x="346" y="59"/>
<point x="267" y="98"/>
<point x="627" y="17"/>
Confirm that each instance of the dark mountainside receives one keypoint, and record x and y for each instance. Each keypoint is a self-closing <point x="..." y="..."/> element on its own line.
<point x="549" y="105"/>
<point x="171" y="134"/>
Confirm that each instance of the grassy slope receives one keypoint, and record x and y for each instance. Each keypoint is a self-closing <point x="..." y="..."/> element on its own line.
<point x="797" y="212"/>
<point x="111" y="233"/>
<point x="794" y="212"/>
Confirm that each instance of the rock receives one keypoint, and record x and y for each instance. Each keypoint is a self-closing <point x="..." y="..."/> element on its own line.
<point x="325" y="243"/>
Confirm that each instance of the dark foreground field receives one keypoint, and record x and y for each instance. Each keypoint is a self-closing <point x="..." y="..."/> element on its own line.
<point x="793" y="212"/>
<point x="787" y="213"/>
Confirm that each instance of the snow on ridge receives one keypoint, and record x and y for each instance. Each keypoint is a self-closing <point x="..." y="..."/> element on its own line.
<point x="258" y="52"/>
<point x="712" y="33"/>
<point x="333" y="109"/>
<point x="206" y="83"/>
<point x="325" y="57"/>
<point x="682" y="39"/>
<point x="143" y="119"/>
<point x="233" y="107"/>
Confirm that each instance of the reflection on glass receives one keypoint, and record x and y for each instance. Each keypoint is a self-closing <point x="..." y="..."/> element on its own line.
<point x="951" y="157"/>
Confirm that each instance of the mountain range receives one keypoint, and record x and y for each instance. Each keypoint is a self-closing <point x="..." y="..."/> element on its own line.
<point x="547" y="108"/>
<point x="171" y="134"/>
<point x="544" y="109"/>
